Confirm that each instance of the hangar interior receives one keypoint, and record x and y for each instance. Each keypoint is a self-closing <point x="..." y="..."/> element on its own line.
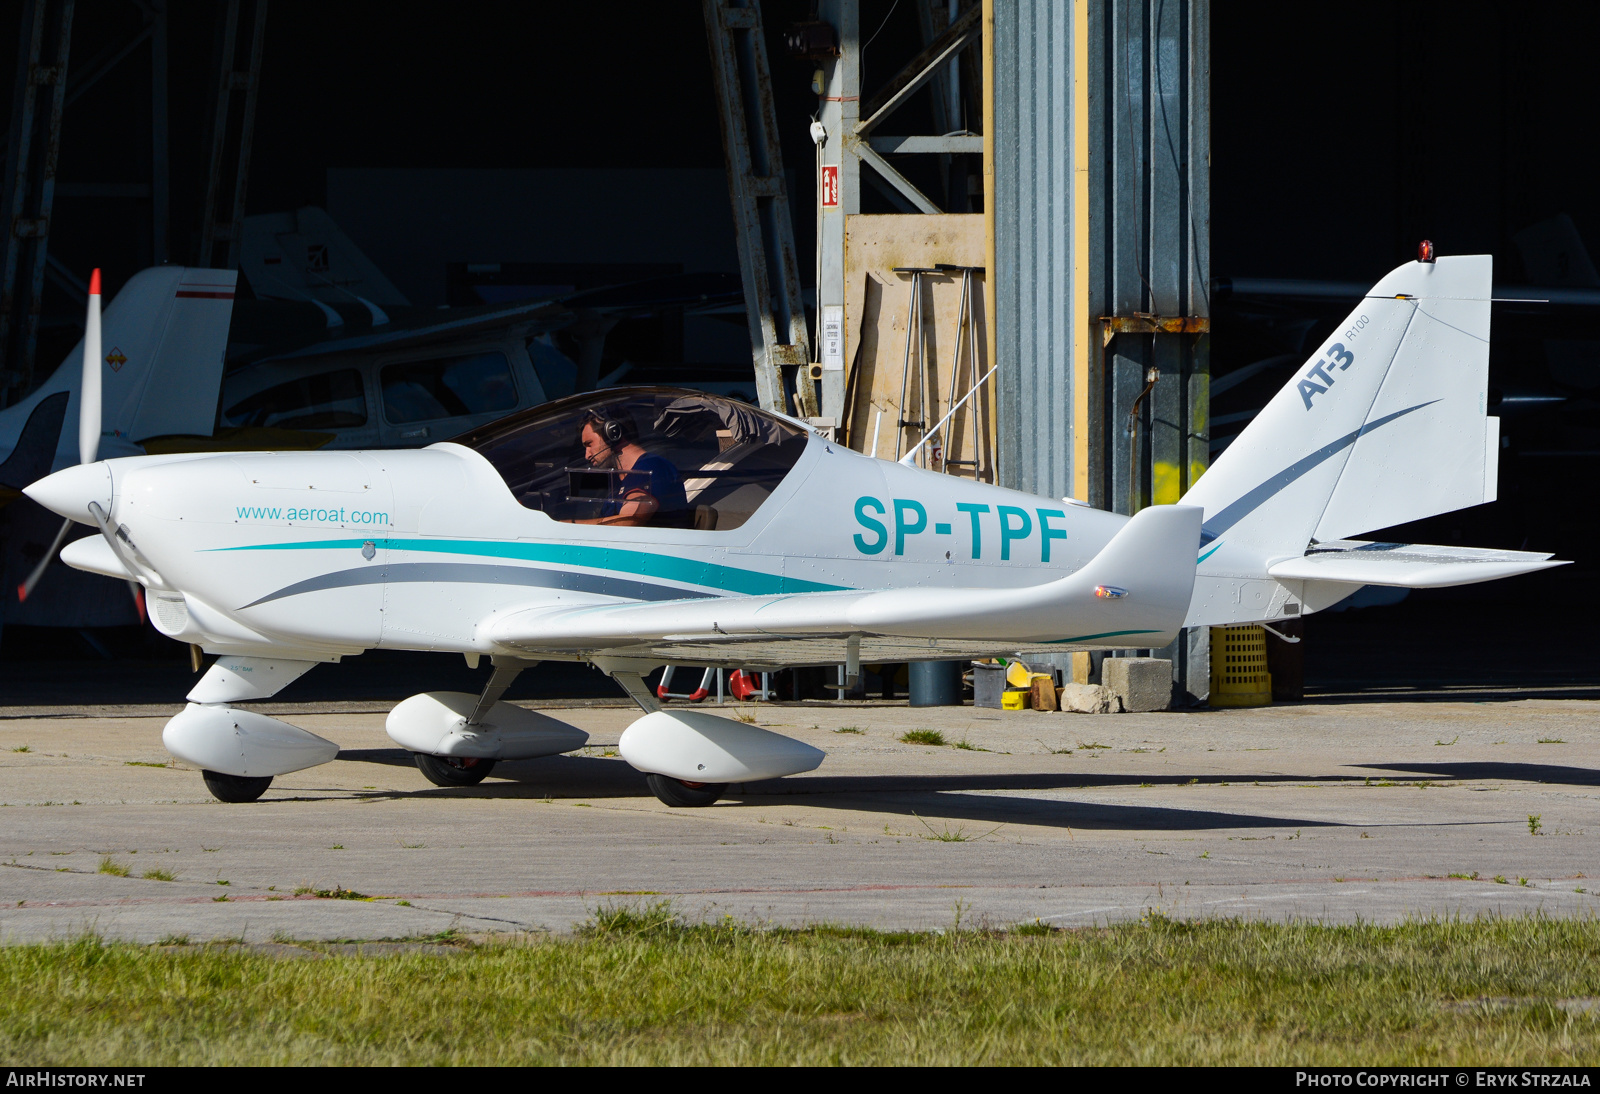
<point x="1139" y="214"/>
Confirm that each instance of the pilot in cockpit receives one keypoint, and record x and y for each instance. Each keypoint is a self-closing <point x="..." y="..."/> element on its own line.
<point x="645" y="488"/>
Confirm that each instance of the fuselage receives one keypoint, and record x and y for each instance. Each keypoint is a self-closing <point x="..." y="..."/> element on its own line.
<point x="338" y="552"/>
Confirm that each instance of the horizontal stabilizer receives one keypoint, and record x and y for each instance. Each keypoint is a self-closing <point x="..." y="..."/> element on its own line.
<point x="1407" y="565"/>
<point x="1139" y="585"/>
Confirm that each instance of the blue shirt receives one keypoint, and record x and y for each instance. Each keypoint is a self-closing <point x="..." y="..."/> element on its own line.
<point x="654" y="475"/>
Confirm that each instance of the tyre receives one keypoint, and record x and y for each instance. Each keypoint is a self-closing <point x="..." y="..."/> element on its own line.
<point x="236" y="788"/>
<point x="682" y="795"/>
<point x="453" y="770"/>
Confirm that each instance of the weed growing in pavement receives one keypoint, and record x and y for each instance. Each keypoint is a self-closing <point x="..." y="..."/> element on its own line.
<point x="22" y="748"/>
<point x="157" y="874"/>
<point x="850" y="729"/>
<point x="1467" y="877"/>
<point x="922" y="737"/>
<point x="1551" y="741"/>
<point x="109" y="865"/>
<point x="968" y="746"/>
<point x="1534" y="824"/>
<point x="1094" y="745"/>
<point x="1055" y="751"/>
<point x="1446" y="744"/>
<point x="339" y="892"/>
<point x="1499" y="879"/>
<point x="955" y="835"/>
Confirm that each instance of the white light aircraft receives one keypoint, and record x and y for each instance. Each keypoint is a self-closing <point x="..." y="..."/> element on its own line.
<point x="632" y="528"/>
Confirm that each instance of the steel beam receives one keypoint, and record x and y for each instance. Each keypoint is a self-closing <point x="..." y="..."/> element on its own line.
<point x="765" y="232"/>
<point x="28" y="199"/>
<point x="232" y="131"/>
<point x="900" y="146"/>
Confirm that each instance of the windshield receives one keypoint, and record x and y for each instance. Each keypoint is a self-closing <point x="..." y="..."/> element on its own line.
<point x="657" y="457"/>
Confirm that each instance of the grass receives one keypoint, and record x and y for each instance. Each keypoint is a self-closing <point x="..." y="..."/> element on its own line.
<point x="22" y="748"/>
<point x="957" y="834"/>
<point x="922" y="737"/>
<point x="1095" y="744"/>
<point x="638" y="986"/>
<point x="109" y="865"/>
<point x="1534" y="824"/>
<point x="850" y="729"/>
<point x="1551" y="741"/>
<point x="158" y="874"/>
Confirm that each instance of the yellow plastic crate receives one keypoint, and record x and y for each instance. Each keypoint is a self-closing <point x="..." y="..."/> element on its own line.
<point x="1239" y="676"/>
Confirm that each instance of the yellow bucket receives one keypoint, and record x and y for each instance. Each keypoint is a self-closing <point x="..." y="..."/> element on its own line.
<point x="1239" y="676"/>
<point x="1014" y="699"/>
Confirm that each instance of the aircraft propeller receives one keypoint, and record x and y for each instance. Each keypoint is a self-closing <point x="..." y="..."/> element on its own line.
<point x="89" y="417"/>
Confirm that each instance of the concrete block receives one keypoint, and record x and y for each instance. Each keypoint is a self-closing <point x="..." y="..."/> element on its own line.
<point x="1141" y="683"/>
<point x="1086" y="699"/>
<point x="988" y="682"/>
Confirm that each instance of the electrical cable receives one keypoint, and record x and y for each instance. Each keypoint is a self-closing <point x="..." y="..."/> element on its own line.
<point x="863" y="54"/>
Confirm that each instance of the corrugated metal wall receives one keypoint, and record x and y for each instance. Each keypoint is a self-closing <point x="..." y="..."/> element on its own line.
<point x="1149" y="243"/>
<point x="1033" y="222"/>
<point x="1148" y="229"/>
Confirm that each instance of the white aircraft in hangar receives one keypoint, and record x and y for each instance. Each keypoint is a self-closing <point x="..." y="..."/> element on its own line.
<point x="632" y="528"/>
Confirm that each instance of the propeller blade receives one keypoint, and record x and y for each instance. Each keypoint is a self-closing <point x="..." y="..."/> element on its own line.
<point x="93" y="367"/>
<point x="25" y="590"/>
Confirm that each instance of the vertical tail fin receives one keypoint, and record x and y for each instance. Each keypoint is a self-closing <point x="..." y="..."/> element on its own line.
<point x="1385" y="423"/>
<point x="164" y="338"/>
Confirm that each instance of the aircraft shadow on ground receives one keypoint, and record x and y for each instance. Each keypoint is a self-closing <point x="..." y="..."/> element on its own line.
<point x="1357" y="695"/>
<point x="948" y="797"/>
<point x="1557" y="774"/>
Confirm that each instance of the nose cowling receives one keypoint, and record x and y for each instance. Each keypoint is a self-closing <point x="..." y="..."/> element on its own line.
<point x="69" y="491"/>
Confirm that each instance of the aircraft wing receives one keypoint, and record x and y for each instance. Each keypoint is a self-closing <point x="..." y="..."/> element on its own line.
<point x="1135" y="592"/>
<point x="1406" y="565"/>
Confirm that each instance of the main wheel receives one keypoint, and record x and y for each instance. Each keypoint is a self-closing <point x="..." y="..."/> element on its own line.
<point x="453" y="770"/>
<point x="236" y="788"/>
<point x="680" y="794"/>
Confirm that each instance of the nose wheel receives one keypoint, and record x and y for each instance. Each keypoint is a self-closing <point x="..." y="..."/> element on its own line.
<point x="235" y="788"/>
<point x="453" y="770"/>
<point x="681" y="795"/>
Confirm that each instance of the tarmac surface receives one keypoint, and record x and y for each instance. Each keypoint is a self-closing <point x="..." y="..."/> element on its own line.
<point x="1332" y="810"/>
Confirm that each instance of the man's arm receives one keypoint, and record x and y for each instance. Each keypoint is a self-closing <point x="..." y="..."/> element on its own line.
<point x="637" y="507"/>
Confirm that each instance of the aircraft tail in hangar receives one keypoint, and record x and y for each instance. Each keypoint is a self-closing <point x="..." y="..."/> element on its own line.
<point x="166" y="333"/>
<point x="1385" y="423"/>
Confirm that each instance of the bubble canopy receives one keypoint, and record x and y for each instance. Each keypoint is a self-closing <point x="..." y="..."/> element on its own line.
<point x="705" y="462"/>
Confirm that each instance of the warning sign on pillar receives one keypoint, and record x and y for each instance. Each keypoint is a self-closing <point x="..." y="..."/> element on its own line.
<point x="830" y="186"/>
<point x="832" y="338"/>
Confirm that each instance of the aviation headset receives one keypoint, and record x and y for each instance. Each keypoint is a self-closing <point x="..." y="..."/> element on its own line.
<point x="616" y="426"/>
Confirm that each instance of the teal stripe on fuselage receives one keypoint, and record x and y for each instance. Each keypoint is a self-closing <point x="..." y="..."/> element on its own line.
<point x="665" y="567"/>
<point x="1092" y="637"/>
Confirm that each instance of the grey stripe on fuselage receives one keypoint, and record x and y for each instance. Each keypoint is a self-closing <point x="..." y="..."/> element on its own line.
<point x="481" y="574"/>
